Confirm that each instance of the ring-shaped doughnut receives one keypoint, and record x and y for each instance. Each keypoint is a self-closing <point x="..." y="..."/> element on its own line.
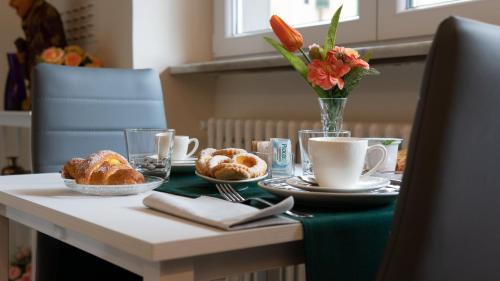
<point x="255" y="164"/>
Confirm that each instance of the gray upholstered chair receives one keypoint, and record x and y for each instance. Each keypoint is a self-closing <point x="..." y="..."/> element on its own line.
<point x="446" y="224"/>
<point x="77" y="111"/>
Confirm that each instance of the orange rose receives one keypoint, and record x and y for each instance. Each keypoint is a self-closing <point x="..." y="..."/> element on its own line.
<point x="75" y="49"/>
<point x="53" y="55"/>
<point x="14" y="272"/>
<point x="72" y="59"/>
<point x="290" y="38"/>
<point x="94" y="62"/>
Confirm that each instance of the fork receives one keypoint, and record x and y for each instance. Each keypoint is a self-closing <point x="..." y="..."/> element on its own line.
<point x="231" y="195"/>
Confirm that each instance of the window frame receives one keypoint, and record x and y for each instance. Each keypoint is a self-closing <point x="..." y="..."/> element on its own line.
<point x="363" y="29"/>
<point x="395" y="21"/>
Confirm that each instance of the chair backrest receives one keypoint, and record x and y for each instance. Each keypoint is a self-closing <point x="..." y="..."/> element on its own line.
<point x="77" y="111"/>
<point x="446" y="224"/>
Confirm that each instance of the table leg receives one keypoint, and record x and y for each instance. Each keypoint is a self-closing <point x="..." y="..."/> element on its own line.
<point x="178" y="270"/>
<point x="4" y="248"/>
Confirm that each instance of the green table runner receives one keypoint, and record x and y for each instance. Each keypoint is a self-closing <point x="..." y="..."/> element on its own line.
<point x="340" y="244"/>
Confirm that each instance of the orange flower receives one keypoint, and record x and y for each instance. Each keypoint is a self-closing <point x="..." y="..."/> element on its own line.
<point x="290" y="38"/>
<point x="348" y="55"/>
<point x="94" y="62"/>
<point x="25" y="277"/>
<point x="351" y="53"/>
<point x="14" y="272"/>
<point x="72" y="59"/>
<point x="75" y="49"/>
<point x="327" y="74"/>
<point x="53" y="55"/>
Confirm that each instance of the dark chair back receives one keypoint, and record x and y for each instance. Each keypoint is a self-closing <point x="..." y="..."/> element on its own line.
<point x="77" y="111"/>
<point x="446" y="224"/>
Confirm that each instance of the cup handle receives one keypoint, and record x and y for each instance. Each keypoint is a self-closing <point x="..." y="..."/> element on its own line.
<point x="382" y="148"/>
<point x="196" y="144"/>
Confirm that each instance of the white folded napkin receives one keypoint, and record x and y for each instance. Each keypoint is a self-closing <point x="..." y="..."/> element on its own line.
<point x="219" y="213"/>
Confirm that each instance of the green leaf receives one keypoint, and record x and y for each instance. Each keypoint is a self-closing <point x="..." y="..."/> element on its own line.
<point x="332" y="31"/>
<point x="352" y="79"/>
<point x="387" y="142"/>
<point x="296" y="63"/>
<point x="321" y="93"/>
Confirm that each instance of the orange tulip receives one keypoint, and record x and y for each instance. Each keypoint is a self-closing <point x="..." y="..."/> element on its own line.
<point x="290" y="38"/>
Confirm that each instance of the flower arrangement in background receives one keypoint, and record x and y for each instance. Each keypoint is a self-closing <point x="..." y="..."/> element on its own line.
<point x="70" y="56"/>
<point x="20" y="265"/>
<point x="332" y="71"/>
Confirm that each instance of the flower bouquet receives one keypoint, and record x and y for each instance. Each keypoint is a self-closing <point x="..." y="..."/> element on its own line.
<point x="332" y="71"/>
<point x="70" y="56"/>
<point x="20" y="265"/>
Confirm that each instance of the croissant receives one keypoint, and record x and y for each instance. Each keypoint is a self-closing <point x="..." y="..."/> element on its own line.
<point x="105" y="167"/>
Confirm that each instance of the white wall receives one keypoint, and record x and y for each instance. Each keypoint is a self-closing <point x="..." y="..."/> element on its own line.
<point x="112" y="29"/>
<point x="10" y="29"/>
<point x="167" y="33"/>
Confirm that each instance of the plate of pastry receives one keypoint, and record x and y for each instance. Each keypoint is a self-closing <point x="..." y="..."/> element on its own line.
<point x="230" y="165"/>
<point x="106" y="173"/>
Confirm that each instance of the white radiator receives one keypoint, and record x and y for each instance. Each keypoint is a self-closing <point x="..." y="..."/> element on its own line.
<point x="240" y="133"/>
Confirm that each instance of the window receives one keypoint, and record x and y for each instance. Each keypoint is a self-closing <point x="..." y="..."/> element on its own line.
<point x="253" y="16"/>
<point x="239" y="25"/>
<point x="411" y="18"/>
<point x="427" y="3"/>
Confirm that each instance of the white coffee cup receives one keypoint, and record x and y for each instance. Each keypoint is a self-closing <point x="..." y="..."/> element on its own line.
<point x="164" y="144"/>
<point x="338" y="162"/>
<point x="392" y="146"/>
<point x="181" y="145"/>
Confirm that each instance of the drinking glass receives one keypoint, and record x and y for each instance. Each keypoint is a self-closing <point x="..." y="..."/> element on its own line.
<point x="304" y="136"/>
<point x="266" y="156"/>
<point x="150" y="150"/>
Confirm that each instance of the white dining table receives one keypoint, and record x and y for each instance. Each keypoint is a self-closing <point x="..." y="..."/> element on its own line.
<point x="152" y="244"/>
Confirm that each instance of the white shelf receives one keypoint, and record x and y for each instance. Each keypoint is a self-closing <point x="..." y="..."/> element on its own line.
<point x="15" y="119"/>
<point x="380" y="53"/>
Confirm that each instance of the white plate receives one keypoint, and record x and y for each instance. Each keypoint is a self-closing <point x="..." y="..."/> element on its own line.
<point x="394" y="176"/>
<point x="150" y="183"/>
<point x="213" y="180"/>
<point x="379" y="196"/>
<point x="187" y="160"/>
<point x="183" y="166"/>
<point x="183" y="163"/>
<point x="364" y="185"/>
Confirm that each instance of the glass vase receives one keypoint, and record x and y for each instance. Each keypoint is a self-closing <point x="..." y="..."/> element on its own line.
<point x="332" y="111"/>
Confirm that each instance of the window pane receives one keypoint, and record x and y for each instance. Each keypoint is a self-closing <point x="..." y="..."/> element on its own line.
<point x="253" y="15"/>
<point x="425" y="3"/>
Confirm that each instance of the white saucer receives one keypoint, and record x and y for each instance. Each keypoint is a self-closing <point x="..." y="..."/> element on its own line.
<point x="214" y="180"/>
<point x="375" y="197"/>
<point x="365" y="184"/>
<point x="184" y="161"/>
